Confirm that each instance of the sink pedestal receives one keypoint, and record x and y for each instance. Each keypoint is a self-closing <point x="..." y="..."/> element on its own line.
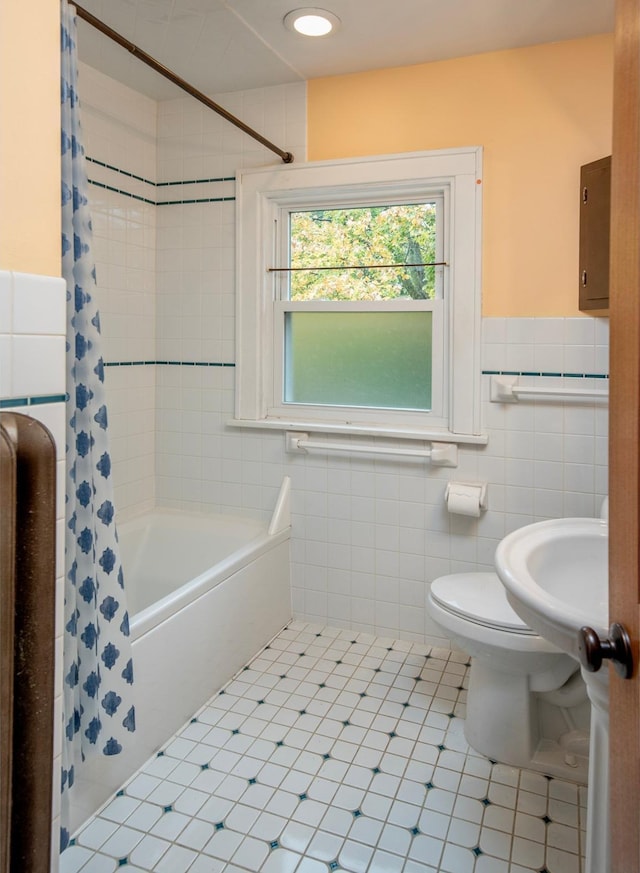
<point x="557" y="576"/>
<point x="598" y="835"/>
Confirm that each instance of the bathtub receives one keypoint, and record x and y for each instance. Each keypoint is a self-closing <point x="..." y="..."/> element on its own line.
<point x="205" y="593"/>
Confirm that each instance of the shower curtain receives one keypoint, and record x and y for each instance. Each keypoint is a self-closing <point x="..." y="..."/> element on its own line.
<point x="98" y="710"/>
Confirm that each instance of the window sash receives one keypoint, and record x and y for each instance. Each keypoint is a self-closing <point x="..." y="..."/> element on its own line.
<point x="437" y="196"/>
<point x="436" y="416"/>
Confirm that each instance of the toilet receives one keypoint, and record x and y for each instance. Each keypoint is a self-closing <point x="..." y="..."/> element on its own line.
<point x="513" y="670"/>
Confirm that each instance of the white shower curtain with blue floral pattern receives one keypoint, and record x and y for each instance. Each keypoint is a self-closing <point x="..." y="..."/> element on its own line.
<point x="98" y="710"/>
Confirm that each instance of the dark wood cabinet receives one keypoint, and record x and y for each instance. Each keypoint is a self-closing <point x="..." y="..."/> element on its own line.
<point x="595" y="211"/>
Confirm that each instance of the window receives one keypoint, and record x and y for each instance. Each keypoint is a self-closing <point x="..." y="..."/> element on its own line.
<point x="358" y="303"/>
<point x="358" y="296"/>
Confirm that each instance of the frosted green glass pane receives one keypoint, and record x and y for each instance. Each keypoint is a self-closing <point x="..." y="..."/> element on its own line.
<point x="367" y="359"/>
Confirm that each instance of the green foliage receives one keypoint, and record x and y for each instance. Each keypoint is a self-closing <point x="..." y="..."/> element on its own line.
<point x="357" y="238"/>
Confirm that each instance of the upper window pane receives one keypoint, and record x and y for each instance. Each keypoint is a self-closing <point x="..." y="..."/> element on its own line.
<point x="366" y="253"/>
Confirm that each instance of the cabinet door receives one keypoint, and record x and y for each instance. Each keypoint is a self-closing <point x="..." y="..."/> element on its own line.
<point x="595" y="210"/>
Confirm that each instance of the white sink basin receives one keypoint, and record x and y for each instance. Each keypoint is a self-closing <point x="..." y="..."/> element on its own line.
<point x="556" y="576"/>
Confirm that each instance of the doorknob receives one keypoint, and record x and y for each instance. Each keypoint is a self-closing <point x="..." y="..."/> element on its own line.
<point x="617" y="648"/>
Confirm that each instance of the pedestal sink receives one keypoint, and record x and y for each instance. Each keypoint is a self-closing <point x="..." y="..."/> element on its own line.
<point x="556" y="577"/>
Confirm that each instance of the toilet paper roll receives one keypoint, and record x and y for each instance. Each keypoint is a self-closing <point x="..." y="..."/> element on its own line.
<point x="465" y="499"/>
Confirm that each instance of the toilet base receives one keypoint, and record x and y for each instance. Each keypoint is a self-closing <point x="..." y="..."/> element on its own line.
<point x="502" y="723"/>
<point x="553" y="759"/>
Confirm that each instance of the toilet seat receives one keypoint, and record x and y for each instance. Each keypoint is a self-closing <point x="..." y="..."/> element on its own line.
<point x="479" y="598"/>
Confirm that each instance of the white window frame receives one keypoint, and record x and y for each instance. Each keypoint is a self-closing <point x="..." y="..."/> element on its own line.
<point x="262" y="199"/>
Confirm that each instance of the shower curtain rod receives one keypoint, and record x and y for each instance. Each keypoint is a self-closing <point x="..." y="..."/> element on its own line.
<point x="287" y="157"/>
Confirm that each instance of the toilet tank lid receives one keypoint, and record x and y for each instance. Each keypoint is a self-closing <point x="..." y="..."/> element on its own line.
<point x="478" y="597"/>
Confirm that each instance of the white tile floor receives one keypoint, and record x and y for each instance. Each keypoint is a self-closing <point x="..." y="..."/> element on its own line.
<point x="334" y="750"/>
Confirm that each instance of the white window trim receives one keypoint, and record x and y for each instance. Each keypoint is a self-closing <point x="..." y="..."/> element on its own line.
<point x="260" y="194"/>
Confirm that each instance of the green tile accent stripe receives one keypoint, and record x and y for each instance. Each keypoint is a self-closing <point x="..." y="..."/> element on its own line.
<point x="195" y="200"/>
<point x="157" y="202"/>
<point x="169" y="363"/>
<point x="196" y="181"/>
<point x="121" y="191"/>
<point x="12" y="402"/>
<point x="158" y="184"/>
<point x="155" y="185"/>
<point x="129" y="363"/>
<point x="548" y="375"/>
<point x="118" y="170"/>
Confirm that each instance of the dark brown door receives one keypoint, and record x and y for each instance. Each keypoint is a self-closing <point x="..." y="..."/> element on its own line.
<point x="624" y="452"/>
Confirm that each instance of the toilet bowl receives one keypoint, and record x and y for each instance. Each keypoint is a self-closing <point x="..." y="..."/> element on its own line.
<point x="512" y="668"/>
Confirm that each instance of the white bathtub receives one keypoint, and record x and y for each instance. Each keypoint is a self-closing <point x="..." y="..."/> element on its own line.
<point x="172" y="558"/>
<point x="205" y="593"/>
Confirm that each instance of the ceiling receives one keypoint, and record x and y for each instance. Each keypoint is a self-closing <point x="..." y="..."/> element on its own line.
<point x="232" y="45"/>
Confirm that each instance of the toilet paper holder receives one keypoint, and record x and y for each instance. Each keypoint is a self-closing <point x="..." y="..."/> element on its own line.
<point x="466" y="498"/>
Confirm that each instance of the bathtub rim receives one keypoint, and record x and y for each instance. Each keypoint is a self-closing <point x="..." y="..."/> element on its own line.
<point x="151" y="616"/>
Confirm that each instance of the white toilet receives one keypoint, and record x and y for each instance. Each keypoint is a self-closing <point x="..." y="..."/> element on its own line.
<point x="512" y="671"/>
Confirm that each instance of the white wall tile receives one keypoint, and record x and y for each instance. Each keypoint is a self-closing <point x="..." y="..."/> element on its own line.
<point x="52" y="415"/>
<point x="521" y="331"/>
<point x="6" y="366"/>
<point x="38" y="365"/>
<point x="6" y="301"/>
<point x="548" y="331"/>
<point x="549" y="358"/>
<point x="579" y="331"/>
<point x="39" y="304"/>
<point x="579" y="359"/>
<point x="601" y="326"/>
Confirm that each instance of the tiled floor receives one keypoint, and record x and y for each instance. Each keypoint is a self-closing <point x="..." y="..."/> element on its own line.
<point x="334" y="750"/>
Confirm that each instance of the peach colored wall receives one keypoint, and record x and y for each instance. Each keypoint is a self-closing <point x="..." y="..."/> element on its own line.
<point x="30" y="136"/>
<point x="538" y="112"/>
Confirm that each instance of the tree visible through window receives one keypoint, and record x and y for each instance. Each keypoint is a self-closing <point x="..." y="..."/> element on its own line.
<point x="367" y="241"/>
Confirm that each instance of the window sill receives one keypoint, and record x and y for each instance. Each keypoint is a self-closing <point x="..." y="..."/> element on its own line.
<point x="430" y="434"/>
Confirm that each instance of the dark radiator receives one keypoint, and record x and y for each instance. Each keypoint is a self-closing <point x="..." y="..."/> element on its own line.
<point x="27" y="628"/>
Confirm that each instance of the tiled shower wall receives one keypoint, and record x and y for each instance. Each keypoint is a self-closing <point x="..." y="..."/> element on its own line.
<point x="367" y="533"/>
<point x="119" y="127"/>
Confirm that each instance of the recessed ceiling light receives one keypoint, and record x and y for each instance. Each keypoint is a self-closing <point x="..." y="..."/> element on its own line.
<point x="311" y="21"/>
